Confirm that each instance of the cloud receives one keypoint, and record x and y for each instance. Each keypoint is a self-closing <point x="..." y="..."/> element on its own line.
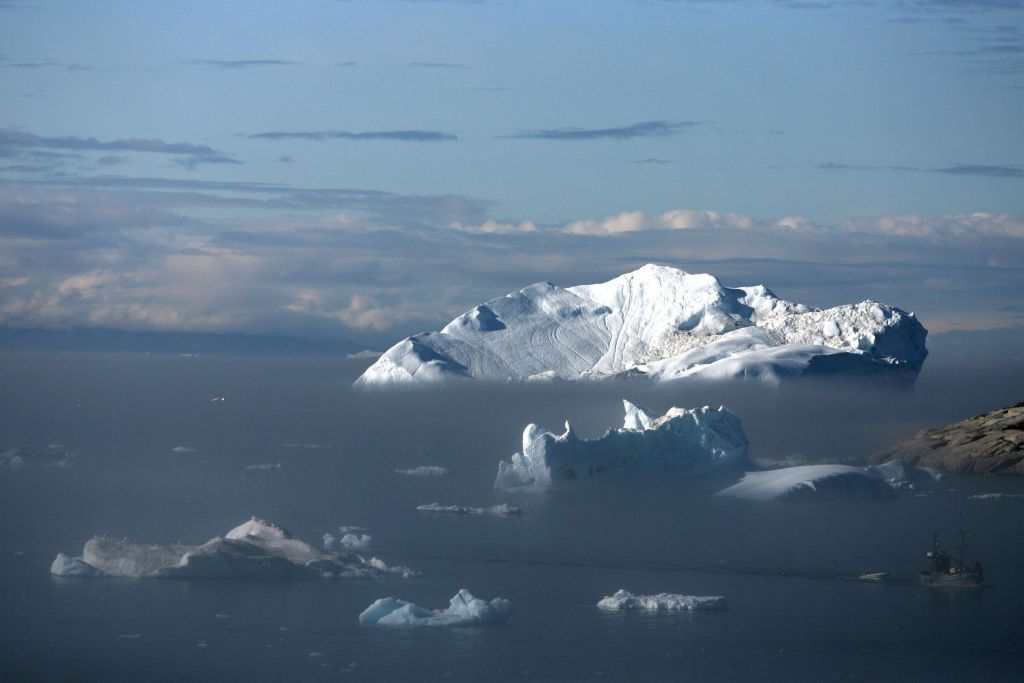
<point x="8" y="63"/>
<point x="395" y="135"/>
<point x="194" y="154"/>
<point x="437" y="65"/>
<point x="372" y="266"/>
<point x="677" y="219"/>
<point x="240" y="63"/>
<point x="644" y="129"/>
<point x="977" y="170"/>
<point x="491" y="227"/>
<point x="948" y="225"/>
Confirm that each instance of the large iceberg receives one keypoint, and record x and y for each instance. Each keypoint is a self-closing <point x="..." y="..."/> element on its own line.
<point x="623" y="599"/>
<point x="680" y="442"/>
<point x="812" y="482"/>
<point x="255" y="549"/>
<point x="463" y="610"/>
<point x="661" y="323"/>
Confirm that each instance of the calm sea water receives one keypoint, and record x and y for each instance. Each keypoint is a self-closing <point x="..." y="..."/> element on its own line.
<point x="791" y="616"/>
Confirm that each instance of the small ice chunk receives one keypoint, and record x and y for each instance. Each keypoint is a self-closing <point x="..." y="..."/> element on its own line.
<point x="831" y="329"/>
<point x="262" y="467"/>
<point x="183" y="449"/>
<point x="65" y="565"/>
<point x="662" y="602"/>
<point x="503" y="509"/>
<point x="347" y="542"/>
<point x="995" y="496"/>
<point x="463" y="610"/>
<point x="424" y="471"/>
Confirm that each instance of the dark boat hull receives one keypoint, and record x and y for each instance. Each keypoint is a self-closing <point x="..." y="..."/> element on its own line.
<point x="959" y="581"/>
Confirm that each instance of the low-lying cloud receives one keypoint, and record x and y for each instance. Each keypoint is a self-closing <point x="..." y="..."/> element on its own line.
<point x="644" y="129"/>
<point x="394" y="135"/>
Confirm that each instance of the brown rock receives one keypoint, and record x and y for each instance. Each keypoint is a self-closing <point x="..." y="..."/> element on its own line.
<point x="989" y="443"/>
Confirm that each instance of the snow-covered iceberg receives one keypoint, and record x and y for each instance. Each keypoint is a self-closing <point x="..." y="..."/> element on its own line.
<point x="679" y="442"/>
<point x="463" y="610"/>
<point x="255" y="549"/>
<point x="657" y="322"/>
<point x="812" y="482"/>
<point x="623" y="599"/>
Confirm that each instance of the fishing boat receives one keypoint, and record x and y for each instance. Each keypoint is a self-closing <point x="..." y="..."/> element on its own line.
<point x="946" y="571"/>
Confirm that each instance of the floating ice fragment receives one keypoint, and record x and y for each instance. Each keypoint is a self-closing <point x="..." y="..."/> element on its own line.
<point x="463" y="610"/>
<point x="502" y="509"/>
<point x="347" y="541"/>
<point x="263" y="467"/>
<point x="255" y="549"/>
<point x="811" y="482"/>
<point x="24" y="458"/>
<point x="183" y="449"/>
<point x="424" y="471"/>
<point x="995" y="496"/>
<point x="65" y="565"/>
<point x="662" y="601"/>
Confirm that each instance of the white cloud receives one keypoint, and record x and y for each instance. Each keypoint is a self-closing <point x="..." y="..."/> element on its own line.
<point x="491" y="227"/>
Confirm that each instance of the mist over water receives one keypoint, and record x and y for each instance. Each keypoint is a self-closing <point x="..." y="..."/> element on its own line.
<point x="779" y="565"/>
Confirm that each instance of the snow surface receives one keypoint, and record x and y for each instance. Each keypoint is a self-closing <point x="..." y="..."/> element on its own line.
<point x="502" y="509"/>
<point x="658" y="322"/>
<point x="679" y="442"/>
<point x="661" y="602"/>
<point x="255" y="549"/>
<point x="463" y="610"/>
<point x="424" y="471"/>
<point x="811" y="482"/>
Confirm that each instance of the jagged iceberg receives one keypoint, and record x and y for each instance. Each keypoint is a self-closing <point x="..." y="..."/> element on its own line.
<point x="680" y="441"/>
<point x="812" y="482"/>
<point x="463" y="610"/>
<point x="623" y="599"/>
<point x="656" y="322"/>
<point x="255" y="549"/>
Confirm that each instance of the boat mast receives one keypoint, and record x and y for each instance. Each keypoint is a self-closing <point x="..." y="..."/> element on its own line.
<point x="963" y="533"/>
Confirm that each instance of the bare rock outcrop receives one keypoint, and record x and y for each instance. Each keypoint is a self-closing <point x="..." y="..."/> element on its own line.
<point x="990" y="443"/>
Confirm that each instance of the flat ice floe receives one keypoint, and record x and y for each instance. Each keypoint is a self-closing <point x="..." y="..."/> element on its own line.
<point x="463" y="610"/>
<point x="424" y="471"/>
<point x="502" y="509"/>
<point x="679" y="442"/>
<point x="660" y="323"/>
<point x="661" y="602"/>
<point x="25" y="458"/>
<point x="255" y="549"/>
<point x="812" y="482"/>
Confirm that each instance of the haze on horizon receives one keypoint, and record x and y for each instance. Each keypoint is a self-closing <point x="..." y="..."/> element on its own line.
<point x="366" y="170"/>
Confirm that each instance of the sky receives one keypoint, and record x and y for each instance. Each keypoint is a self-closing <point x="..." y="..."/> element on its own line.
<point x="364" y="170"/>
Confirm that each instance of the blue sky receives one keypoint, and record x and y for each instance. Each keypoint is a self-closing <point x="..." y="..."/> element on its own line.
<point x="361" y="169"/>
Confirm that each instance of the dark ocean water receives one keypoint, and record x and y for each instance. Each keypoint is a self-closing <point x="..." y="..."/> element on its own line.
<point x="791" y="616"/>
